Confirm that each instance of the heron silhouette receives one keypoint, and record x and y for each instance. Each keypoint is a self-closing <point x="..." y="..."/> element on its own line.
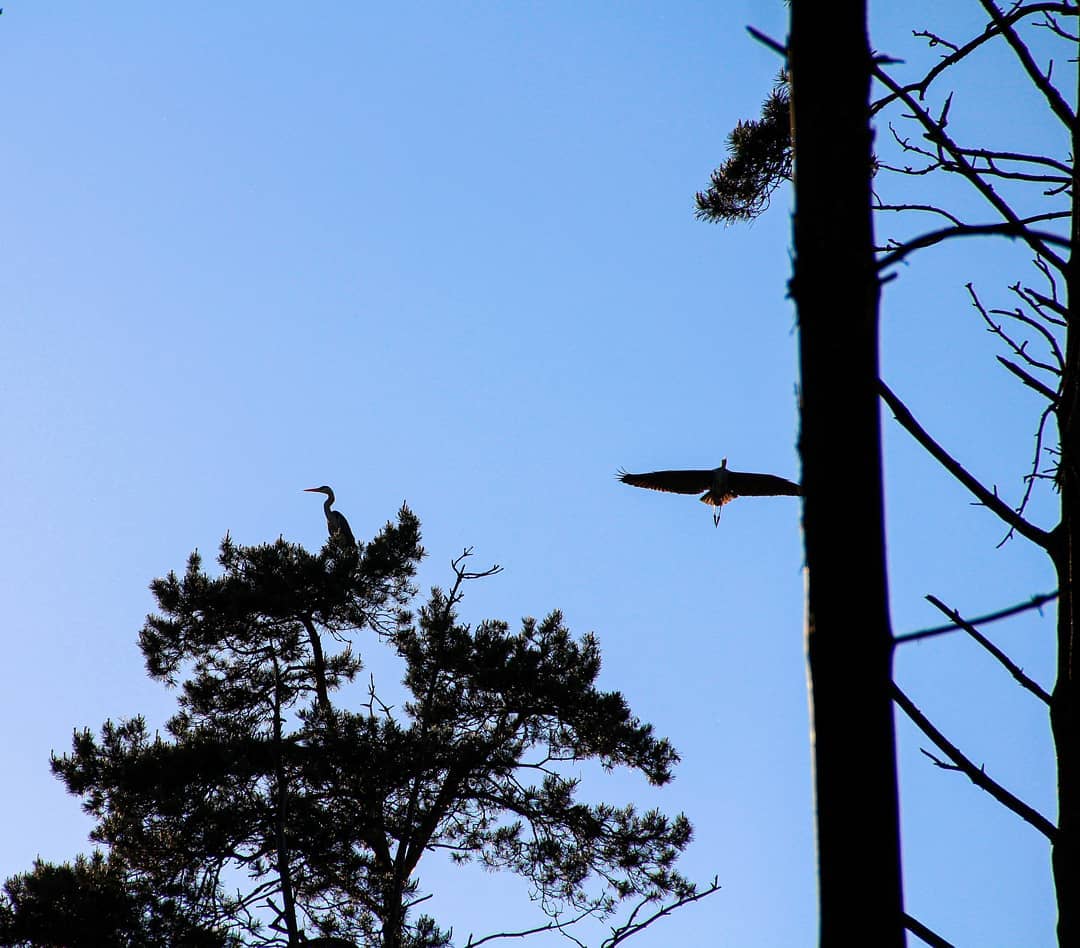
<point x="718" y="486"/>
<point x="336" y="524"/>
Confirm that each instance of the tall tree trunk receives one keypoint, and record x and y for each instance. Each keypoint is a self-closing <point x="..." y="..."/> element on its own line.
<point x="1064" y="722"/>
<point x="1065" y="700"/>
<point x="849" y="641"/>
<point x="281" y="817"/>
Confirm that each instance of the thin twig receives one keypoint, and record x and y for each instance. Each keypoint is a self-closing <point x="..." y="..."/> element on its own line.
<point x="1054" y="99"/>
<point x="929" y="208"/>
<point x="1053" y="26"/>
<point x="1037" y="301"/>
<point x="621" y="934"/>
<point x="1020" y="316"/>
<point x="1013" y="16"/>
<point x="1019" y="348"/>
<point x="550" y="926"/>
<point x="935" y="129"/>
<point x="1034" y="475"/>
<point x="990" y="154"/>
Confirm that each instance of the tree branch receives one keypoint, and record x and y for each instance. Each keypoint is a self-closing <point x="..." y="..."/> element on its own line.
<point x="1038" y="302"/>
<point x="959" y="53"/>
<point x="987" y="498"/>
<point x="1028" y="380"/>
<point x="991" y="155"/>
<point x="1020" y="316"/>
<point x="935" y="132"/>
<point x="919" y="930"/>
<point x="1010" y="666"/>
<point x="977" y="775"/>
<point x="550" y="926"/>
<point x="929" y="208"/>
<point x="1042" y="81"/>
<point x="633" y="927"/>
<point x="768" y="41"/>
<point x="1017" y="228"/>
<point x="1036" y="602"/>
<point x="1020" y="348"/>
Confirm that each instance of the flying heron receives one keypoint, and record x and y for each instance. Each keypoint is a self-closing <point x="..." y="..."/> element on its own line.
<point x="336" y="523"/>
<point x="720" y="485"/>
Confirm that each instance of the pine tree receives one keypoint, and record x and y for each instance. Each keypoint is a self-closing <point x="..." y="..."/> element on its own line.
<point x="272" y="813"/>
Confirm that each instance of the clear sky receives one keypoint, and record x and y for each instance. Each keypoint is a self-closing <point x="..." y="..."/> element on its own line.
<point x="446" y="253"/>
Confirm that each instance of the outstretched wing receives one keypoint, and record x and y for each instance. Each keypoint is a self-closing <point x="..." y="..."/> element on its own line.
<point x="674" y="482"/>
<point x="761" y="485"/>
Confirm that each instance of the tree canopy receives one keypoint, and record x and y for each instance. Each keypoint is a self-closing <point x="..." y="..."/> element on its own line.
<point x="271" y="812"/>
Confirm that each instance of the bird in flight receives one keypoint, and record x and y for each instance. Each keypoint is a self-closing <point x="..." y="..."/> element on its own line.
<point x="336" y="523"/>
<point x="718" y="486"/>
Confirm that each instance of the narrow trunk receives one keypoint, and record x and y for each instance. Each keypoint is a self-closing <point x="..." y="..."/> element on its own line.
<point x="393" y="920"/>
<point x="1065" y="702"/>
<point x="319" y="662"/>
<point x="1066" y="731"/>
<point x="288" y="902"/>
<point x="849" y="641"/>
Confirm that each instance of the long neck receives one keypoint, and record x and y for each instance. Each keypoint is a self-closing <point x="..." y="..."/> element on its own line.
<point x="326" y="505"/>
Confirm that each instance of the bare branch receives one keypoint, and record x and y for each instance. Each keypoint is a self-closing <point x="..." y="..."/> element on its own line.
<point x="930" y="937"/>
<point x="632" y="927"/>
<point x="1030" y="381"/>
<point x="1035" y="602"/>
<point x="1042" y="80"/>
<point x="1040" y="303"/>
<point x="929" y="208"/>
<point x="775" y="46"/>
<point x="1013" y="16"/>
<point x="977" y="775"/>
<point x="457" y="565"/>
<point x="1014" y="228"/>
<point x="990" y="155"/>
<point x="1054" y="27"/>
<point x="1010" y="666"/>
<point x="1019" y="315"/>
<point x="986" y="497"/>
<point x="550" y="926"/>
<point x="1034" y="475"/>
<point x="935" y="132"/>
<point x="935" y="40"/>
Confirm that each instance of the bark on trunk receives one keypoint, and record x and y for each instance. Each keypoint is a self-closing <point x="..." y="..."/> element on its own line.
<point x="849" y="641"/>
<point x="1064" y="701"/>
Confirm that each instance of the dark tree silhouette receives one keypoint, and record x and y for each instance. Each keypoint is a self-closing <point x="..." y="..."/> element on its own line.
<point x="849" y="641"/>
<point x="1030" y="197"/>
<point x="273" y="815"/>
<point x="96" y="903"/>
<point x="1029" y="194"/>
<point x="760" y="161"/>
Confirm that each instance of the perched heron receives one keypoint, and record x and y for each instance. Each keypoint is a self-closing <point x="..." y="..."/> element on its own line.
<point x="336" y="523"/>
<point x="720" y="485"/>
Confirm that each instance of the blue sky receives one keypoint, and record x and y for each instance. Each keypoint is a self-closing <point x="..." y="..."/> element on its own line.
<point x="447" y="254"/>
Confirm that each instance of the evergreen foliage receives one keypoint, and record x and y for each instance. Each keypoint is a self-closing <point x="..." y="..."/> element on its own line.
<point x="760" y="161"/>
<point x="93" y="903"/>
<point x="269" y="814"/>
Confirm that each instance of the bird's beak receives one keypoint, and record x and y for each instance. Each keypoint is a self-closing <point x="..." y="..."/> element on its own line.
<point x="311" y="490"/>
